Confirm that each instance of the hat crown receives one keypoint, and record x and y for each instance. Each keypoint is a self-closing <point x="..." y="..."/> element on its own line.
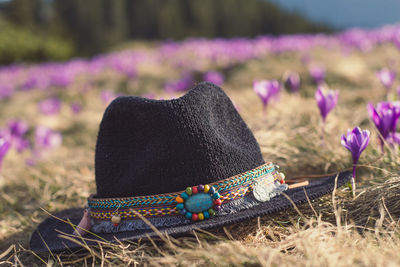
<point x="149" y="146"/>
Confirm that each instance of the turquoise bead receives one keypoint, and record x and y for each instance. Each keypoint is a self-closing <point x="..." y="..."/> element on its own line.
<point x="188" y="215"/>
<point x="216" y="195"/>
<point x="199" y="203"/>
<point x="206" y="215"/>
<point x="184" y="195"/>
<point x="180" y="206"/>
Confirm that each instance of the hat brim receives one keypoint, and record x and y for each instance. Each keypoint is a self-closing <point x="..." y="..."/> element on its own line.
<point x="48" y="236"/>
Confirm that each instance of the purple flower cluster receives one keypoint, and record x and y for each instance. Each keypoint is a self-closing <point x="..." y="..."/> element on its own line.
<point x="182" y="84"/>
<point x="6" y="91"/>
<point x="14" y="136"/>
<point x="214" y="77"/>
<point x="187" y="57"/>
<point x="385" y="116"/>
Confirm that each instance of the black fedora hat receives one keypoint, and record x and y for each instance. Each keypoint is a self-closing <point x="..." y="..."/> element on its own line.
<point x="182" y="164"/>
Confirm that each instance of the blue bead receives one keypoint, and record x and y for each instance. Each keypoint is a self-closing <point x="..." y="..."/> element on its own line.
<point x="212" y="190"/>
<point x="182" y="211"/>
<point x="188" y="215"/>
<point x="206" y="215"/>
<point x="180" y="206"/>
<point x="184" y="195"/>
<point x="199" y="202"/>
<point x="216" y="195"/>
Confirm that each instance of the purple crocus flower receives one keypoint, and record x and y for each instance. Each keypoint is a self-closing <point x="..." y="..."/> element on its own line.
<point x="326" y="100"/>
<point x="76" y="107"/>
<point x="6" y="91"/>
<point x="386" y="77"/>
<point x="50" y="106"/>
<point x="36" y="80"/>
<point x="355" y="141"/>
<point x="21" y="144"/>
<point x="266" y="90"/>
<point x="17" y="130"/>
<point x="125" y="67"/>
<point x="292" y="81"/>
<point x="4" y="147"/>
<point x="46" y="138"/>
<point x="61" y="76"/>
<point x="396" y="40"/>
<point x="149" y="96"/>
<point x="184" y="83"/>
<point x="385" y="116"/>
<point x="317" y="73"/>
<point x="107" y="96"/>
<point x="214" y="77"/>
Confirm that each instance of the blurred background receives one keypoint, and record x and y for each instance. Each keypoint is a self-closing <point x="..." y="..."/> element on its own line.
<point x="52" y="30"/>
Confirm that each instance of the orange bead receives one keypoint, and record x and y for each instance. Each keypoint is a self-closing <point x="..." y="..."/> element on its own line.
<point x="179" y="199"/>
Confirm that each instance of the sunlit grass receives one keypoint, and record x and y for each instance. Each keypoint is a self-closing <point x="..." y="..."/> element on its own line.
<point x="338" y="232"/>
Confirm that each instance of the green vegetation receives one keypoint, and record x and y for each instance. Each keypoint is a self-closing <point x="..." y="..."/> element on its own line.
<point x="94" y="26"/>
<point x="19" y="44"/>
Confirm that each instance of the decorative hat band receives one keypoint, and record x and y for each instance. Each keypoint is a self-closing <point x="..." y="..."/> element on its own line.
<point x="195" y="203"/>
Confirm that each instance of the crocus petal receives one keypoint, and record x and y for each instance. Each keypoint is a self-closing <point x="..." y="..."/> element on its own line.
<point x="373" y="114"/>
<point x="46" y="138"/>
<point x="395" y="138"/>
<point x="5" y="145"/>
<point x="344" y="142"/>
<point x="214" y="77"/>
<point x="50" y="106"/>
<point x="17" y="128"/>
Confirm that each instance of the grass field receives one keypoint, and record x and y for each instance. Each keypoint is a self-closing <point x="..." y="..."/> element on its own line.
<point x="336" y="230"/>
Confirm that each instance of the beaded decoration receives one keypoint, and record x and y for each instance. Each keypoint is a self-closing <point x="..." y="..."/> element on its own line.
<point x="195" y="203"/>
<point x="199" y="202"/>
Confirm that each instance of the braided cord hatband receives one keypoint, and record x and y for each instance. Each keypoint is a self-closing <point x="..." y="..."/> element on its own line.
<point x="165" y="204"/>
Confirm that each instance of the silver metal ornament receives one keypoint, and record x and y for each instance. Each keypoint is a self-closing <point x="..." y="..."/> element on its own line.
<point x="263" y="187"/>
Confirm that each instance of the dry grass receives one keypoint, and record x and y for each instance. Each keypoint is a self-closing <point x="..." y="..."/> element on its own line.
<point x="336" y="231"/>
